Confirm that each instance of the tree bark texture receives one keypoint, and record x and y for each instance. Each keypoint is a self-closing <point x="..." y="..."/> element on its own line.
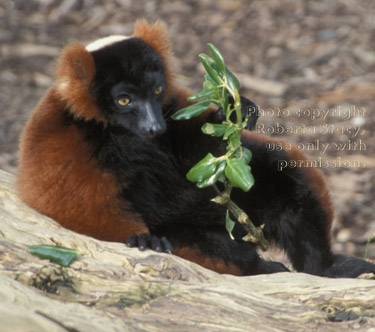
<point x="114" y="288"/>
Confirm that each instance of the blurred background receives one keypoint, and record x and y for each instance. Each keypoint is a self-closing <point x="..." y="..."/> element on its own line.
<point x="288" y="54"/>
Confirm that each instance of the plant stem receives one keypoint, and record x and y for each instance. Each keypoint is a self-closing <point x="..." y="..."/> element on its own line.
<point x="237" y="107"/>
<point x="254" y="234"/>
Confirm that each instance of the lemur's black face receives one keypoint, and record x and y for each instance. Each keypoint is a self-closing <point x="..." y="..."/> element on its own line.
<point x="129" y="86"/>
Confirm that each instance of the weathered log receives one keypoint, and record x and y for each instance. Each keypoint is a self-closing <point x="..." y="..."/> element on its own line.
<point x="113" y="288"/>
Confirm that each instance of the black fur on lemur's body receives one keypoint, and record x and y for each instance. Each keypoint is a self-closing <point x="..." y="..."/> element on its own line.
<point x="101" y="156"/>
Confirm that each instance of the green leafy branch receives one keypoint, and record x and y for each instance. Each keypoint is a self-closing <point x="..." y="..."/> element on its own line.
<point x="231" y="169"/>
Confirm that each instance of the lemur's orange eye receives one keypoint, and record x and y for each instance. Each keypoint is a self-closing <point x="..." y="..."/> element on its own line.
<point x="158" y="90"/>
<point x="123" y="101"/>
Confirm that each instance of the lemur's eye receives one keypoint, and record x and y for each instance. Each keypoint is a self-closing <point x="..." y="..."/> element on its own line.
<point x="158" y="90"/>
<point x="123" y="101"/>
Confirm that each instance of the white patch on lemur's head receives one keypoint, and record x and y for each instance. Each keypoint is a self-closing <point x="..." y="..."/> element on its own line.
<point x="103" y="42"/>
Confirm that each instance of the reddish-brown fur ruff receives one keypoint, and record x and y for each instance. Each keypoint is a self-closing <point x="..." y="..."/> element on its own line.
<point x="155" y="35"/>
<point x="58" y="177"/>
<point x="74" y="75"/>
<point x="58" y="160"/>
<point x="214" y="264"/>
<point x="314" y="175"/>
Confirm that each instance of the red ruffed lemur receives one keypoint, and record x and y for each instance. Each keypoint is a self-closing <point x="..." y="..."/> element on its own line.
<point x="101" y="155"/>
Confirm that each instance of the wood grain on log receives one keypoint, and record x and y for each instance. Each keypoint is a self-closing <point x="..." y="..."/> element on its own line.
<point x="113" y="288"/>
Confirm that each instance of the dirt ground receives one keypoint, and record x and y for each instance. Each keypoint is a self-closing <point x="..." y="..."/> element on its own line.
<point x="309" y="65"/>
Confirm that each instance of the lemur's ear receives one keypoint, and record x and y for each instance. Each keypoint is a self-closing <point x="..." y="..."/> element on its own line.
<point x="74" y="75"/>
<point x="155" y="35"/>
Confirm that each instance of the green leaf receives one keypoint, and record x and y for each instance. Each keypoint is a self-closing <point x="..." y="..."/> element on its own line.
<point x="246" y="155"/>
<point x="235" y="139"/>
<point x="213" y="178"/>
<point x="208" y="64"/>
<point x="230" y="130"/>
<point x="239" y="174"/>
<point x="229" y="225"/>
<point x="217" y="57"/>
<point x="208" y="78"/>
<point x="214" y="129"/>
<point x="202" y="95"/>
<point x="232" y="80"/>
<point x="191" y="111"/>
<point x="60" y="255"/>
<point x="243" y="154"/>
<point x="203" y="169"/>
<point x="208" y="84"/>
